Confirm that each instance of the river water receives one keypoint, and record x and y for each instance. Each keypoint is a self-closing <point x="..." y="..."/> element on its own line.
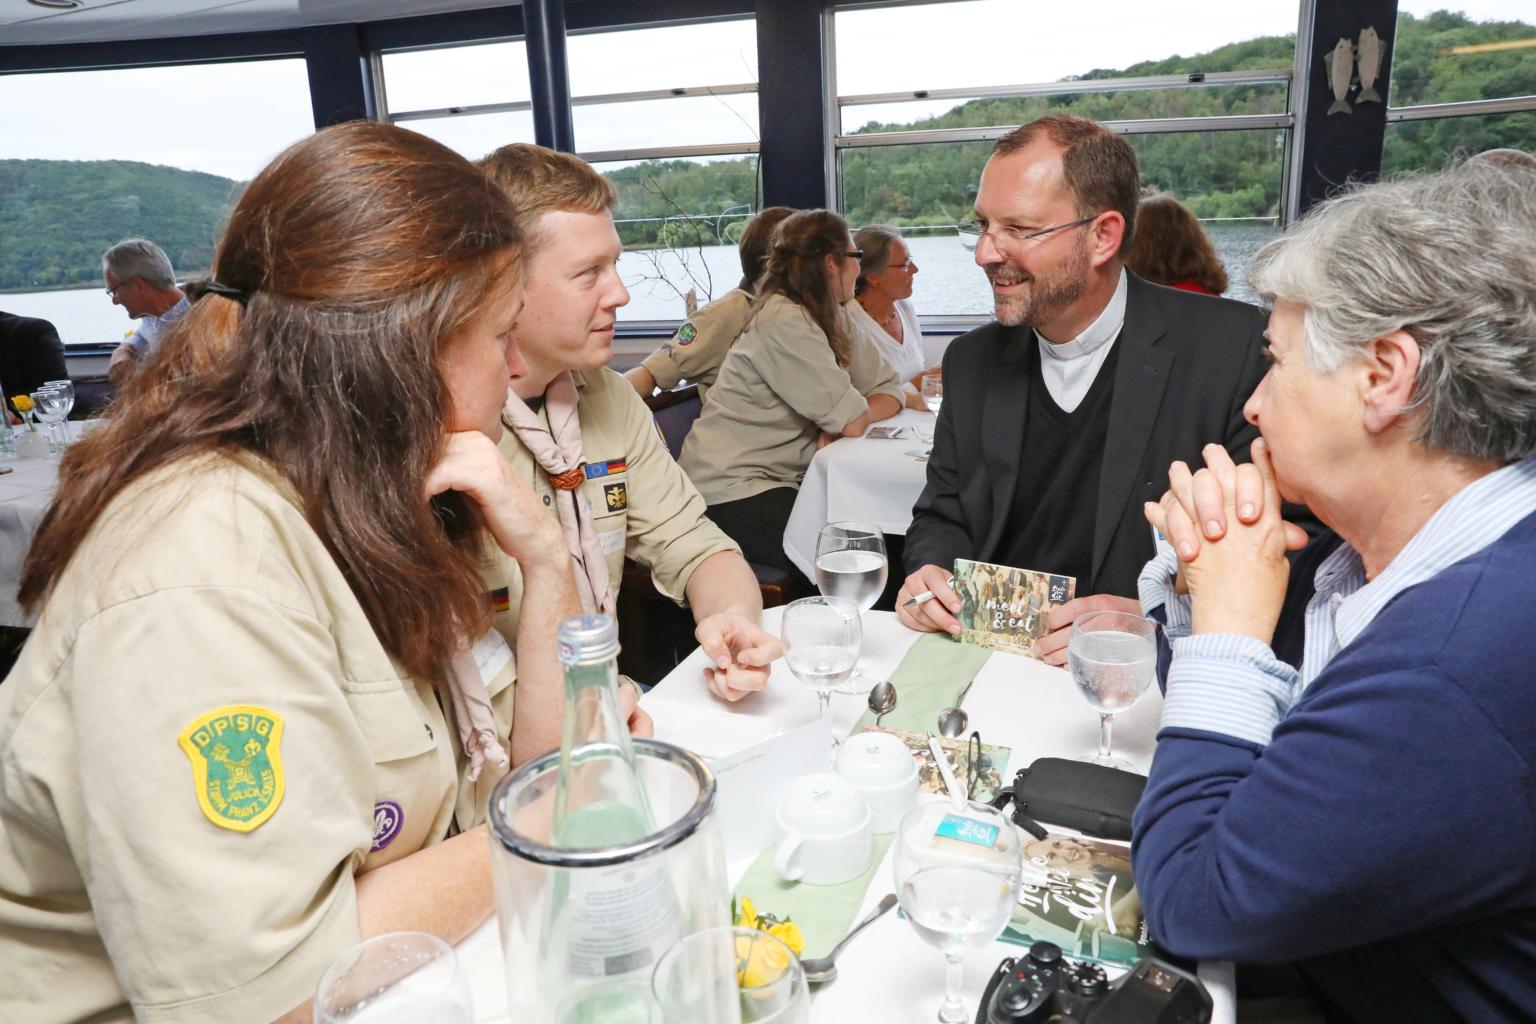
<point x="947" y="282"/>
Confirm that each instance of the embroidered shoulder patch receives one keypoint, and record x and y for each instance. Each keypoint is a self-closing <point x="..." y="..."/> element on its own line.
<point x="686" y="334"/>
<point x="237" y="767"/>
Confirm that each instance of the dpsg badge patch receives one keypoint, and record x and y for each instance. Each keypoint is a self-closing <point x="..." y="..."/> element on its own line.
<point x="237" y="766"/>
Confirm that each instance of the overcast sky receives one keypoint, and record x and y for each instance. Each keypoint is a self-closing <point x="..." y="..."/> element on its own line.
<point x="229" y="119"/>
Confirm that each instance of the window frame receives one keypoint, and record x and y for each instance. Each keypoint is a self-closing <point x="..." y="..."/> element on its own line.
<point x="1295" y="78"/>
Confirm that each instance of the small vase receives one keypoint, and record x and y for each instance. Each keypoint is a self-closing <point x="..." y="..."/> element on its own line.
<point x="31" y="444"/>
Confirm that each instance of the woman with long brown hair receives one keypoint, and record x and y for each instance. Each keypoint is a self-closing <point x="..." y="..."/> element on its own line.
<point x="249" y="728"/>
<point x="798" y="377"/>
<point x="1171" y="248"/>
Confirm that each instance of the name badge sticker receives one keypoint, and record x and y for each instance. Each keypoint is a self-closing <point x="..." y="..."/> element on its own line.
<point x="967" y="830"/>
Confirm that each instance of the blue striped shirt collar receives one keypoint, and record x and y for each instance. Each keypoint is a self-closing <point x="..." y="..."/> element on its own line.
<point x="1475" y="516"/>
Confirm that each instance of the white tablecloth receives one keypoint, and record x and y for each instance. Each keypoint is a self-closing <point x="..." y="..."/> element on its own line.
<point x="888" y="973"/>
<point x="24" y="496"/>
<point x="871" y="480"/>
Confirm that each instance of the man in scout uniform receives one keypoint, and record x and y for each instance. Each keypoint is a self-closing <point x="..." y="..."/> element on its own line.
<point x="699" y="346"/>
<point x="587" y="441"/>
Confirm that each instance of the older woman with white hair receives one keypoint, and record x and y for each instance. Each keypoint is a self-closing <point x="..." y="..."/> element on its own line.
<point x="882" y="305"/>
<point x="1346" y="772"/>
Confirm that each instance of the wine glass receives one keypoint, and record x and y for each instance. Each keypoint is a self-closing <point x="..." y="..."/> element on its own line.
<point x="851" y="564"/>
<point x="822" y="637"/>
<point x="1113" y="656"/>
<point x="395" y="978"/>
<point x="66" y="390"/>
<point x="731" y="973"/>
<point x="933" y="391"/>
<point x="957" y="876"/>
<point x="50" y="412"/>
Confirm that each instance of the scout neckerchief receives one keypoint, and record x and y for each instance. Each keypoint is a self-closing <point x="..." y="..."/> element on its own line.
<point x="557" y="450"/>
<point x="472" y="714"/>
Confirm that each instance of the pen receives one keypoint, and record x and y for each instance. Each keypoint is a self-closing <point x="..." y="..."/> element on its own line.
<point x="927" y="595"/>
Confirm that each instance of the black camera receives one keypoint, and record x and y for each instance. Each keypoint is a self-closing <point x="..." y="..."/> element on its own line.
<point x="1047" y="986"/>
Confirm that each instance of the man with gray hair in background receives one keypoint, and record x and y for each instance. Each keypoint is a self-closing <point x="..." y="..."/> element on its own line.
<point x="140" y="279"/>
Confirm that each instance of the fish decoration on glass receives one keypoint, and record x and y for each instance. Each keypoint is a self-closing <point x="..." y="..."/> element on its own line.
<point x="1368" y="53"/>
<point x="1340" y="65"/>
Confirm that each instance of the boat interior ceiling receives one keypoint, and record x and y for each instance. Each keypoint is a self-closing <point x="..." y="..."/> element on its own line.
<point x="100" y="21"/>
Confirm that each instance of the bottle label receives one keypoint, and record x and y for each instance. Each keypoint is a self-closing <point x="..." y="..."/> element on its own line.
<point x="620" y="919"/>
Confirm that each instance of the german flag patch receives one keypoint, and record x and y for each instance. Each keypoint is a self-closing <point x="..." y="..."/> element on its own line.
<point x="499" y="599"/>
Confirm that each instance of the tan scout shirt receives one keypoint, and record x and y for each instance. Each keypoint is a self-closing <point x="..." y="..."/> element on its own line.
<point x="201" y="745"/>
<point x="778" y="389"/>
<point x="643" y="507"/>
<point x="699" y="346"/>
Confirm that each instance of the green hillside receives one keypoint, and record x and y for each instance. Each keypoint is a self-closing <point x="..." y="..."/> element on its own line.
<point x="58" y="216"/>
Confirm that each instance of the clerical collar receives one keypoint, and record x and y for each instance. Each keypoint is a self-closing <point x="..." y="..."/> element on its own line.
<point x="1097" y="334"/>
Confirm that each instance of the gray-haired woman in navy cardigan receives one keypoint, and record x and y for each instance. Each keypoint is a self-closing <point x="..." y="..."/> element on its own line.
<point x="1344" y="776"/>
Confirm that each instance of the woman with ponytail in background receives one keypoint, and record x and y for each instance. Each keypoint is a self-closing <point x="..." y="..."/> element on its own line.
<point x="262" y="709"/>
<point x="798" y="377"/>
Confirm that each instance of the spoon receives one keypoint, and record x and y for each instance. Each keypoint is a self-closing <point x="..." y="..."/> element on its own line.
<point x="953" y="722"/>
<point x="882" y="699"/>
<point x="822" y="969"/>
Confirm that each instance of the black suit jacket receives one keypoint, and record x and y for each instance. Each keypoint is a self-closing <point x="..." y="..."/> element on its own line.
<point x="30" y="353"/>
<point x="1187" y="364"/>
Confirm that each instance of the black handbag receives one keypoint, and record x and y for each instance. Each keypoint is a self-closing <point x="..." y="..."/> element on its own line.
<point x="1089" y="798"/>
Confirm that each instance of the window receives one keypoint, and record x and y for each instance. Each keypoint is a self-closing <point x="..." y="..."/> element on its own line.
<point x="677" y="133"/>
<point x="1462" y="81"/>
<point x="471" y="98"/>
<point x="90" y="167"/>
<point x="1203" y="92"/>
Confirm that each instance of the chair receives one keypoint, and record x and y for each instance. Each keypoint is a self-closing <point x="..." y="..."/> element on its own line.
<point x="655" y="634"/>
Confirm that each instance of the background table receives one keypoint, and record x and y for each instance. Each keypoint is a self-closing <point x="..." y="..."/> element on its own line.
<point x="888" y="973"/>
<point x="869" y="479"/>
<point x="24" y="496"/>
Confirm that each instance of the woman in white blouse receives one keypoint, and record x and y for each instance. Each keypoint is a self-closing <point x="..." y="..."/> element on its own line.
<point x="882" y="310"/>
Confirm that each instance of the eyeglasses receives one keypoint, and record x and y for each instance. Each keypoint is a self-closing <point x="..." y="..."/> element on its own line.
<point x="856" y="254"/>
<point x="112" y="292"/>
<point x="971" y="233"/>
<point x="907" y="264"/>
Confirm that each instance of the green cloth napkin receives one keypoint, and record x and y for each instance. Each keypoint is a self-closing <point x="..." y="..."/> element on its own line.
<point x="823" y="912"/>
<point x="933" y="675"/>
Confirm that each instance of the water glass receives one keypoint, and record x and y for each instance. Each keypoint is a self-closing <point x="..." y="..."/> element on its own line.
<point x="395" y="978"/>
<point x="822" y="637"/>
<point x="933" y="391"/>
<point x="851" y="563"/>
<point x="1113" y="657"/>
<point x="66" y="390"/>
<point x="957" y="875"/>
<point x="51" y="410"/>
<point x="730" y="974"/>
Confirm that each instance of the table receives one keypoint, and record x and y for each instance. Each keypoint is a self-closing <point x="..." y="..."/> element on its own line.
<point x="871" y="480"/>
<point x="888" y="973"/>
<point x="24" y="496"/>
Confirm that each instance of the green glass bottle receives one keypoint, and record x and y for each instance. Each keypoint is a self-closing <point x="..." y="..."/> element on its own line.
<point x="599" y="797"/>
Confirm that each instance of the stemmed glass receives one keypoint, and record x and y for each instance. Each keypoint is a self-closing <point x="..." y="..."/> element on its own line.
<point x="731" y="973"/>
<point x="51" y="411"/>
<point x="1113" y="657"/>
<point x="957" y="876"/>
<point x="933" y="391"/>
<point x="66" y="390"/>
<point x="822" y="637"/>
<point x="392" y="979"/>
<point x="851" y="564"/>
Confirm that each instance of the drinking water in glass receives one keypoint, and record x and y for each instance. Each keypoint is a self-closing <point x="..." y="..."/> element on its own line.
<point x="957" y="875"/>
<point x="851" y="563"/>
<point x="822" y="638"/>
<point x="933" y="391"/>
<point x="1113" y="657"/>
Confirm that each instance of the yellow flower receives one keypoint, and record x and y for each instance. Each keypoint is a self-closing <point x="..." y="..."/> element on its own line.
<point x="759" y="962"/>
<point x="789" y="933"/>
<point x="746" y="913"/>
<point x="23" y="403"/>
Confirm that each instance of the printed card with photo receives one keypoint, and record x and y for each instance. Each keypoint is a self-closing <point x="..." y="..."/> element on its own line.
<point x="1003" y="608"/>
<point x="888" y="433"/>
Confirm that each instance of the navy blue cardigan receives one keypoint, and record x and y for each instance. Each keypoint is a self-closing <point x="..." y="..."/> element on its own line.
<point x="1385" y="839"/>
